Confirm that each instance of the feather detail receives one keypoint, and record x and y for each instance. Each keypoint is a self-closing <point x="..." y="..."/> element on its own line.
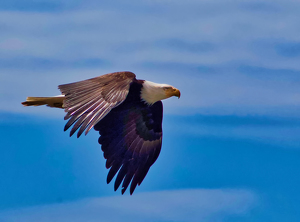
<point x="87" y="102"/>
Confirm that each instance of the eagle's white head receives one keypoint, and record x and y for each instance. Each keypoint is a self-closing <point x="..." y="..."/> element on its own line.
<point x="153" y="92"/>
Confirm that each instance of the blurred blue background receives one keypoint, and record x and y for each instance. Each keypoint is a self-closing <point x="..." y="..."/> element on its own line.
<point x="231" y="146"/>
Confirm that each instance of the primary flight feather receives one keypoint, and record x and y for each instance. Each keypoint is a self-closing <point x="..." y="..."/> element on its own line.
<point x="128" y="115"/>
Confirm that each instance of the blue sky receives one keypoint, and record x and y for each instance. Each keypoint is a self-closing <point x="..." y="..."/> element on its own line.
<point x="231" y="146"/>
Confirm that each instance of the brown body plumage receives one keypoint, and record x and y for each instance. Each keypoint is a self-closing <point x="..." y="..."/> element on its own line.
<point x="128" y="115"/>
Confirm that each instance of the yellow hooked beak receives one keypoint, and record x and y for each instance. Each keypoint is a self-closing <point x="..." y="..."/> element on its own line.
<point x="176" y="92"/>
<point x="172" y="92"/>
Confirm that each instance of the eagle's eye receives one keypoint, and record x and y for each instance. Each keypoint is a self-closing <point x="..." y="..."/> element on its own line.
<point x="167" y="87"/>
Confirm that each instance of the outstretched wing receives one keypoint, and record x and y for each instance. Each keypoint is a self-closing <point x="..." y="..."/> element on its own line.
<point x="131" y="138"/>
<point x="87" y="102"/>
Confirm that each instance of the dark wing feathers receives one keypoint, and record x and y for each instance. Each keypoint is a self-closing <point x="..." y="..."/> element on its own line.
<point x="131" y="132"/>
<point x="87" y="102"/>
<point x="131" y="136"/>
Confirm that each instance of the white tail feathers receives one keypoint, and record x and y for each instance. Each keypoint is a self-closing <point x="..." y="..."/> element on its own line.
<point x="54" y="101"/>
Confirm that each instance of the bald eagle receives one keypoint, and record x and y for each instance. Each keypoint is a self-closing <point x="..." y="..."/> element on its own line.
<point x="128" y="115"/>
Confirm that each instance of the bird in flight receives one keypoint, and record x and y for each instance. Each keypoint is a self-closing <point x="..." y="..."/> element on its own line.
<point x="127" y="113"/>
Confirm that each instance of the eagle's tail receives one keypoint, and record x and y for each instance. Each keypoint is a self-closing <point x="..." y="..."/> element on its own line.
<point x="55" y="101"/>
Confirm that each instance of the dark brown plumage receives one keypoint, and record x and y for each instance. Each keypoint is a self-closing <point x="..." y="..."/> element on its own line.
<point x="87" y="102"/>
<point x="128" y="115"/>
